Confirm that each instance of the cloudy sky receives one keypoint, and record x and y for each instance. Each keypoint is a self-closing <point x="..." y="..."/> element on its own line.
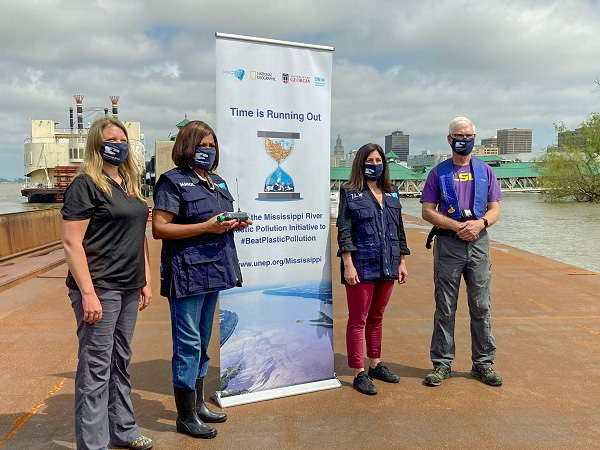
<point x="404" y="65"/>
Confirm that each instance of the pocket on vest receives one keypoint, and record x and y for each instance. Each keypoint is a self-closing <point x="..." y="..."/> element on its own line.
<point x="204" y="268"/>
<point x="395" y="261"/>
<point x="367" y="262"/>
<point x="364" y="226"/>
<point x="196" y="204"/>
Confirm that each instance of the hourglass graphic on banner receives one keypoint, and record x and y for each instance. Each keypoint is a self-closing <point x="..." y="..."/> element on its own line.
<point x="278" y="185"/>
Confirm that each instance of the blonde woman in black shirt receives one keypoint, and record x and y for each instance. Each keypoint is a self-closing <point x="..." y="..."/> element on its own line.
<point x="109" y="280"/>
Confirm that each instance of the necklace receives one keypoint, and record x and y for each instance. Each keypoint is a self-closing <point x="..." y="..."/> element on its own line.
<point x="118" y="184"/>
<point x="122" y="188"/>
<point x="207" y="180"/>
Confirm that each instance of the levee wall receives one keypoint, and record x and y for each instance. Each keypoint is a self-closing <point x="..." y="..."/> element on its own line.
<point x="25" y="230"/>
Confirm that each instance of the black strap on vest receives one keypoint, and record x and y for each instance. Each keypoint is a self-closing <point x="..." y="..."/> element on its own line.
<point x="430" y="236"/>
<point x="435" y="231"/>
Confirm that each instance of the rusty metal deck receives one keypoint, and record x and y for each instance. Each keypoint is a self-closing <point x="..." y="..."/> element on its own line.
<point x="545" y="317"/>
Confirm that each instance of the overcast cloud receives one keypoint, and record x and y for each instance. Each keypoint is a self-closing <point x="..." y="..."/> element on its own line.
<point x="410" y="66"/>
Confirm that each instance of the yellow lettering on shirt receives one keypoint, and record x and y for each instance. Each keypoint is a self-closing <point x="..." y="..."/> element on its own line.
<point x="464" y="177"/>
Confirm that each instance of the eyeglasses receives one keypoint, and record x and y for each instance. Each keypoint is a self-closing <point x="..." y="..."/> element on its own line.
<point x="462" y="136"/>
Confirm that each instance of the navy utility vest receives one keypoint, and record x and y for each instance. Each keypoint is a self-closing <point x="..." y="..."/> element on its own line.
<point x="449" y="199"/>
<point x="207" y="262"/>
<point x="375" y="234"/>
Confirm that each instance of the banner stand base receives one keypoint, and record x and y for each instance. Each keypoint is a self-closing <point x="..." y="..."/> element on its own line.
<point x="270" y="394"/>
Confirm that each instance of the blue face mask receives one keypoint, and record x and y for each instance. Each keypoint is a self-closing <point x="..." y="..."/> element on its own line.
<point x="463" y="146"/>
<point x="204" y="158"/>
<point x="114" y="153"/>
<point x="373" y="171"/>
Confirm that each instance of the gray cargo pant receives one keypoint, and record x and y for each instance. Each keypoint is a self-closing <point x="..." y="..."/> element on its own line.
<point x="453" y="257"/>
<point x="103" y="409"/>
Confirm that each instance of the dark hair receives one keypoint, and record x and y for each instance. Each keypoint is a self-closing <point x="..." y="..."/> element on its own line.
<point x="188" y="138"/>
<point x="357" y="175"/>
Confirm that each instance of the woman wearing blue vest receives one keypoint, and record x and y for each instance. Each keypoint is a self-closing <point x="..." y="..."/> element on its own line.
<point x="198" y="260"/>
<point x="372" y="245"/>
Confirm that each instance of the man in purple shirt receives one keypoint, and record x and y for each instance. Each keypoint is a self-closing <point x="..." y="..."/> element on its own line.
<point x="460" y="199"/>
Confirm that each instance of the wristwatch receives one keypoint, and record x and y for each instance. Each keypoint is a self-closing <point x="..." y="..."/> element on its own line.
<point x="485" y="222"/>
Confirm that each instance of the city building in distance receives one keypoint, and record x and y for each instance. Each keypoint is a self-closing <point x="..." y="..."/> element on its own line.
<point x="572" y="138"/>
<point x="339" y="148"/>
<point x="482" y="150"/>
<point x="397" y="142"/>
<point x="490" y="142"/>
<point x="514" y="140"/>
<point x="350" y="158"/>
<point x="426" y="159"/>
<point x="337" y="159"/>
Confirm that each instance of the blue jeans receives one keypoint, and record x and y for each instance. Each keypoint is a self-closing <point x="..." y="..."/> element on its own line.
<point x="191" y="327"/>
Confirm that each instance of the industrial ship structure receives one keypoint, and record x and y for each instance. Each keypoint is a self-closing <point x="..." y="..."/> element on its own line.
<point x="52" y="155"/>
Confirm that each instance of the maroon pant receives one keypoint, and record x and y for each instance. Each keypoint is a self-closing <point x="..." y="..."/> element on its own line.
<point x="366" y="303"/>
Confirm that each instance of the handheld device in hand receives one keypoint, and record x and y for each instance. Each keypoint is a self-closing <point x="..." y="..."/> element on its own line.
<point x="239" y="215"/>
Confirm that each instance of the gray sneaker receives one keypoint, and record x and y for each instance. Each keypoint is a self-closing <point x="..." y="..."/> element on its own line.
<point x="487" y="375"/>
<point x="437" y="375"/>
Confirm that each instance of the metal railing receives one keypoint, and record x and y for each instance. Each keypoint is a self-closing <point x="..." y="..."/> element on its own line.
<point x="78" y="140"/>
<point x="71" y="131"/>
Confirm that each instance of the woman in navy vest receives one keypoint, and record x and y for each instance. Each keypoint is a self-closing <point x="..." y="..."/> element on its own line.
<point x="198" y="260"/>
<point x="372" y="245"/>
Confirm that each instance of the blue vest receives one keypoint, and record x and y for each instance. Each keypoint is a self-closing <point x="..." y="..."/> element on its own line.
<point x="375" y="234"/>
<point x="203" y="263"/>
<point x="449" y="198"/>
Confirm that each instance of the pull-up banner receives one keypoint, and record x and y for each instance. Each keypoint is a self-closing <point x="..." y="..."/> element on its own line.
<point x="273" y="121"/>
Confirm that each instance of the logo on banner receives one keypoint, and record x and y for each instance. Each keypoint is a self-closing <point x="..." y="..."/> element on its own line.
<point x="279" y="186"/>
<point x="239" y="73"/>
<point x="262" y="76"/>
<point x="287" y="78"/>
<point x="319" y="81"/>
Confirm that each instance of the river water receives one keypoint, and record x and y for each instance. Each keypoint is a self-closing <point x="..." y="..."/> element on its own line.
<point x="568" y="232"/>
<point x="12" y="201"/>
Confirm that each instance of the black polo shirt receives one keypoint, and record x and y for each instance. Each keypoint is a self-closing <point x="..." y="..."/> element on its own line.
<point x="114" y="239"/>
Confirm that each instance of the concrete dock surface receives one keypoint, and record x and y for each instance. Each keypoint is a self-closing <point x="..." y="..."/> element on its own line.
<point x="545" y="318"/>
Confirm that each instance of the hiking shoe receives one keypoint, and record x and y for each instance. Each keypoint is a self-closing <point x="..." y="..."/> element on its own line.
<point x="141" y="443"/>
<point x="381" y="372"/>
<point x="487" y="375"/>
<point x="362" y="383"/>
<point x="437" y="375"/>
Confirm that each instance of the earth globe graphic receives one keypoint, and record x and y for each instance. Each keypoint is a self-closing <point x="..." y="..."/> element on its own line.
<point x="278" y="184"/>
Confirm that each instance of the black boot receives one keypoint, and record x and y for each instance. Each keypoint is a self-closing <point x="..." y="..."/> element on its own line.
<point x="187" y="419"/>
<point x="204" y="413"/>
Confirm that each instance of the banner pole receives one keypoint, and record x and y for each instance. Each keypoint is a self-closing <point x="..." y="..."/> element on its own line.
<point x="239" y="37"/>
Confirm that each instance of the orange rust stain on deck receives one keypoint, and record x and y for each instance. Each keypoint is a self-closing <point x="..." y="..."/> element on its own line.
<point x="29" y="414"/>
<point x="535" y="302"/>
